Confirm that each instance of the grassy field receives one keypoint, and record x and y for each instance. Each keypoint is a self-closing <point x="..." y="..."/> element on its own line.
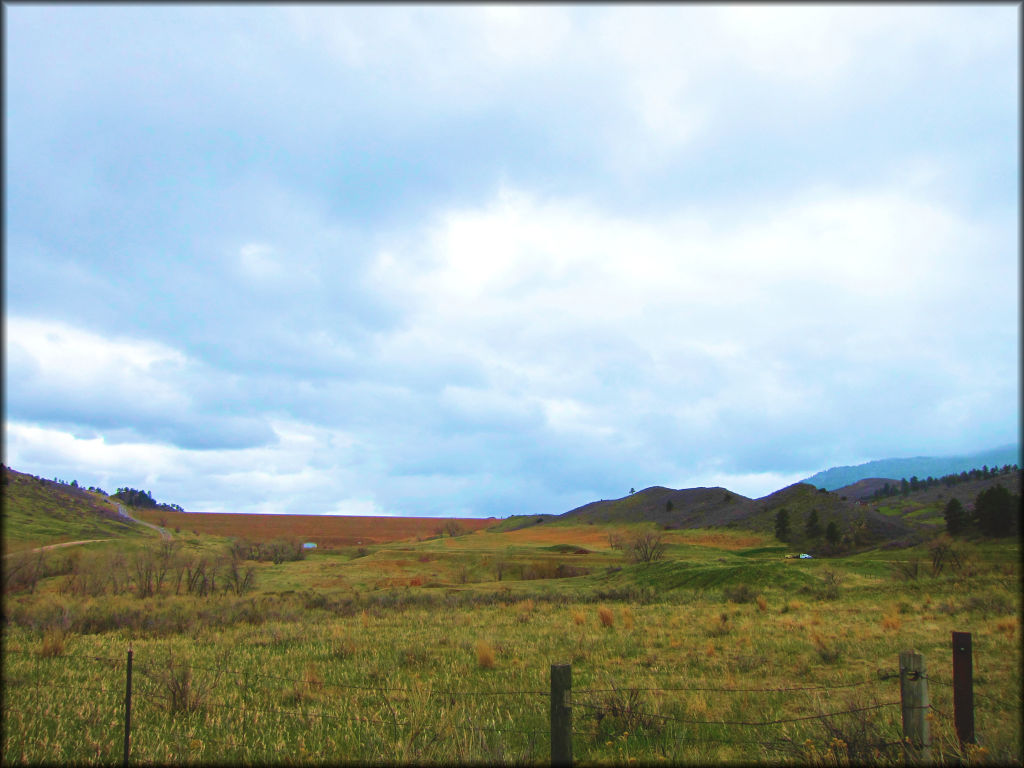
<point x="438" y="649"/>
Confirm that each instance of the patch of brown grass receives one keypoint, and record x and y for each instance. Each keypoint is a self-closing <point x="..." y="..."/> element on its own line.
<point x="484" y="654"/>
<point x="719" y="626"/>
<point x="891" y="622"/>
<point x="827" y="651"/>
<point x="53" y="643"/>
<point x="762" y="604"/>
<point x="627" y="617"/>
<point x="605" y="616"/>
<point x="578" y="618"/>
<point x="1009" y="626"/>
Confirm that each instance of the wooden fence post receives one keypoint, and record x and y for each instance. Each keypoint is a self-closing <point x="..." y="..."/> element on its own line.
<point x="963" y="687"/>
<point x="917" y="736"/>
<point x="128" y="709"/>
<point x="561" y="715"/>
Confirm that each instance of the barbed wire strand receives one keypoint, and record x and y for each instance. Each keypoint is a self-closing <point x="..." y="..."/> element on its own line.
<point x="953" y="685"/>
<point x="734" y="690"/>
<point x="15" y="683"/>
<point x="669" y="718"/>
<point x="150" y="668"/>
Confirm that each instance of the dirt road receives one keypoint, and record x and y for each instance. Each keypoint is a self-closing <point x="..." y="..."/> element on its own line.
<point x="163" y="531"/>
<point x="54" y="546"/>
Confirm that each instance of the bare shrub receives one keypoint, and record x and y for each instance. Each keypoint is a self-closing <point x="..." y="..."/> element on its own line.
<point x="53" y="643"/>
<point x="648" y="547"/>
<point x="238" y="580"/>
<point x="945" y="554"/>
<point x="23" y="571"/>
<point x="828" y="652"/>
<point x="453" y="528"/>
<point x="623" y="710"/>
<point x="500" y="564"/>
<point x="906" y="570"/>
<point x="832" y="581"/>
<point x="740" y="593"/>
<point x="858" y="738"/>
<point x="182" y="692"/>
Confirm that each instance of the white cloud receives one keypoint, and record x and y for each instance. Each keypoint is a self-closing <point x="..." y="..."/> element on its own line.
<point x="308" y="469"/>
<point x="58" y="362"/>
<point x="755" y="235"/>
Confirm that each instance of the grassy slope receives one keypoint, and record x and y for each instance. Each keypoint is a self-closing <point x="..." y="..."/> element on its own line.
<point x="37" y="512"/>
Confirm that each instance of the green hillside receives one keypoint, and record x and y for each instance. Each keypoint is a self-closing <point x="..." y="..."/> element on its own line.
<point x="37" y="512"/>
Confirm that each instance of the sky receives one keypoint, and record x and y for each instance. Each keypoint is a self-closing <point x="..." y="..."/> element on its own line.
<point x="472" y="261"/>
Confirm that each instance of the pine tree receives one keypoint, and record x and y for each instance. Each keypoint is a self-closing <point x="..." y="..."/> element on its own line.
<point x="832" y="533"/>
<point x="782" y="525"/>
<point x="812" y="527"/>
<point x="956" y="517"/>
<point x="993" y="511"/>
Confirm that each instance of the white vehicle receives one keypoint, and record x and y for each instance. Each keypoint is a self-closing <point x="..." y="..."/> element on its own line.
<point x="805" y="556"/>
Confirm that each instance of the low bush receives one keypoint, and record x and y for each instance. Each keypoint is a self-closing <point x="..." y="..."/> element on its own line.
<point x="740" y="593"/>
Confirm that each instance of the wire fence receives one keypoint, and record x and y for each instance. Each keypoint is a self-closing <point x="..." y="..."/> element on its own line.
<point x="172" y="697"/>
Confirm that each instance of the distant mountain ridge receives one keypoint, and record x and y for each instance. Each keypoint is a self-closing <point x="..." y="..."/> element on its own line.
<point x="920" y="466"/>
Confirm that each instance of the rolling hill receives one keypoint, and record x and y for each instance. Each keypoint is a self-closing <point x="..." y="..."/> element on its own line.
<point x="686" y="508"/>
<point x="37" y="512"/>
<point x="718" y="507"/>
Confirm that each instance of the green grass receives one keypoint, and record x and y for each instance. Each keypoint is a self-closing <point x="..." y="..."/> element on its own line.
<point x="39" y="512"/>
<point x="339" y="657"/>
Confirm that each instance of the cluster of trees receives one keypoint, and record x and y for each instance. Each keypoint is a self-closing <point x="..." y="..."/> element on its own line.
<point x="454" y="528"/>
<point x="996" y="512"/>
<point x="812" y="531"/>
<point x="948" y="481"/>
<point x="136" y="498"/>
<point x="144" y="573"/>
<point x="278" y="550"/>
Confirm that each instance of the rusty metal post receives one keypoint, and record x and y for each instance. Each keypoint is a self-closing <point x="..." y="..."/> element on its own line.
<point x="963" y="687"/>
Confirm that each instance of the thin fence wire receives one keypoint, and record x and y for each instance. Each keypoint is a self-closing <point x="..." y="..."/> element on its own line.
<point x="147" y="670"/>
<point x="669" y="718"/>
<point x="977" y="695"/>
<point x="675" y="689"/>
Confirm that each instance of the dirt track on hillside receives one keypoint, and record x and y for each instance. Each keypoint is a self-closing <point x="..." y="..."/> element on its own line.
<point x="54" y="546"/>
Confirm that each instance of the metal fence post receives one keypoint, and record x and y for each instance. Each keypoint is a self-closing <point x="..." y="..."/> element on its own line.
<point x="561" y="715"/>
<point x="917" y="736"/>
<point x="128" y="709"/>
<point x="963" y="687"/>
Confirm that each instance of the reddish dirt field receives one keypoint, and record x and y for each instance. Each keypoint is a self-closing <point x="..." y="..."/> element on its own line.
<point x="326" y="531"/>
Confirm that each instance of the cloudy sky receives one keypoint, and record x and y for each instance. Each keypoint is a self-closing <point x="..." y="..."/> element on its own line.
<point x="472" y="261"/>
